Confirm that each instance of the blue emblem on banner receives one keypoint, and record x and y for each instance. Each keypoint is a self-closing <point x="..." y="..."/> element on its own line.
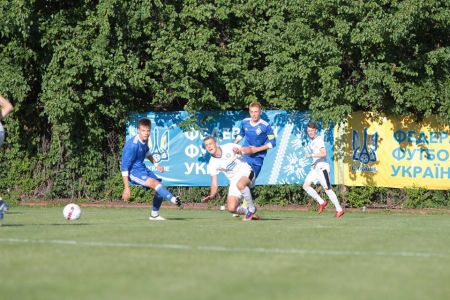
<point x="365" y="152"/>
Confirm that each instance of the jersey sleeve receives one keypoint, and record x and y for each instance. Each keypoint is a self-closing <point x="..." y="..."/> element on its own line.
<point x="128" y="156"/>
<point x="320" y="143"/>
<point x="241" y="130"/>
<point x="271" y="140"/>
<point x="212" y="168"/>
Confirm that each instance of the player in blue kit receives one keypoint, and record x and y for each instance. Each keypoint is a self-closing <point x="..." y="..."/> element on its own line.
<point x="134" y="170"/>
<point x="5" y="108"/>
<point x="257" y="135"/>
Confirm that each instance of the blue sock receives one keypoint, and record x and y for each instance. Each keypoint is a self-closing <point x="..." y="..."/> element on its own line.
<point x="163" y="192"/>
<point x="157" y="201"/>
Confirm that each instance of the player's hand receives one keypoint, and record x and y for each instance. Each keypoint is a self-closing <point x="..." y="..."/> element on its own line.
<point x="160" y="168"/>
<point x="207" y="198"/>
<point x="236" y="150"/>
<point x="126" y="194"/>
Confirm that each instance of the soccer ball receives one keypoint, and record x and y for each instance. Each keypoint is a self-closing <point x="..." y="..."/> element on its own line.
<point x="72" y="212"/>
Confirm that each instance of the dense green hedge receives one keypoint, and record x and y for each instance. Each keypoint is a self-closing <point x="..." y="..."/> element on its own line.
<point x="75" y="70"/>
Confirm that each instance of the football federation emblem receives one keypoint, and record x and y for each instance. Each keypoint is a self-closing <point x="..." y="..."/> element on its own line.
<point x="365" y="152"/>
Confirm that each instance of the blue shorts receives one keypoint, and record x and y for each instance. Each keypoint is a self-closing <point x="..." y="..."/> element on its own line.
<point x="256" y="163"/>
<point x="140" y="177"/>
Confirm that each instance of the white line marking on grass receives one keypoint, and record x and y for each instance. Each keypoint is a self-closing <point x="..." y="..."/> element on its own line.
<point x="295" y="251"/>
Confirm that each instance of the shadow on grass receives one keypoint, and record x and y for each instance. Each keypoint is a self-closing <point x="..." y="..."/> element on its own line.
<point x="184" y="219"/>
<point x="270" y="219"/>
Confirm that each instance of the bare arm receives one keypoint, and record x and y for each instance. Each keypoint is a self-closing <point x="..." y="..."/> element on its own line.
<point x="213" y="191"/>
<point x="126" y="188"/>
<point x="322" y="153"/>
<point x="6" y="107"/>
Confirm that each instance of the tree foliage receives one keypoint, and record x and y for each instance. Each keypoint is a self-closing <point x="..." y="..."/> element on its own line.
<point x="75" y="70"/>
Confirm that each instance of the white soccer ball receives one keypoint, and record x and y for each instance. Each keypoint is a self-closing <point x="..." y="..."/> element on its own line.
<point x="72" y="212"/>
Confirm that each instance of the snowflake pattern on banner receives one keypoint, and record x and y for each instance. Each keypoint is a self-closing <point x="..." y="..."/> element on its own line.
<point x="296" y="165"/>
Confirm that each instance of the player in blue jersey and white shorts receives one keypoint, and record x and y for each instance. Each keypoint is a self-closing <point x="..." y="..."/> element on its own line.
<point x="133" y="169"/>
<point x="257" y="136"/>
<point x="320" y="171"/>
<point x="5" y="108"/>
<point x="227" y="159"/>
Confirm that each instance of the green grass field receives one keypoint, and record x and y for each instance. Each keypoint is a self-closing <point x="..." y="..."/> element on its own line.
<point x="116" y="253"/>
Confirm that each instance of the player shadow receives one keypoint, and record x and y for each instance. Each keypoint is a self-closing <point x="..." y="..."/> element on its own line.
<point x="183" y="219"/>
<point x="269" y="219"/>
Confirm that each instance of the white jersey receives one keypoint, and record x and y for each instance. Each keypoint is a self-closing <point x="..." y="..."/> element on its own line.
<point x="230" y="163"/>
<point x="314" y="147"/>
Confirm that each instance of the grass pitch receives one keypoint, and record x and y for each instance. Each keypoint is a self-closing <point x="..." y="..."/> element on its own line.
<point x="113" y="253"/>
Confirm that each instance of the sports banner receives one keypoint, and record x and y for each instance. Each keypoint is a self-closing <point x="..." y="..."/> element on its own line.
<point x="392" y="152"/>
<point x="185" y="159"/>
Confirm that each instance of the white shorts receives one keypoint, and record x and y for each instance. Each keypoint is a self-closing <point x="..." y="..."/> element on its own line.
<point x="320" y="174"/>
<point x="245" y="171"/>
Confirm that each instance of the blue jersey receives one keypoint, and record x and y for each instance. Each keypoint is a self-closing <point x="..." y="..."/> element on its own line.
<point x="257" y="135"/>
<point x="134" y="153"/>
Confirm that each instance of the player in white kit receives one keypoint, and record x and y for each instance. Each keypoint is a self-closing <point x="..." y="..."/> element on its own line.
<point x="227" y="159"/>
<point x="320" y="170"/>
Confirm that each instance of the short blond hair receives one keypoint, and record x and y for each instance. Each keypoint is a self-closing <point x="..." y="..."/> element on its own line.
<point x="255" y="104"/>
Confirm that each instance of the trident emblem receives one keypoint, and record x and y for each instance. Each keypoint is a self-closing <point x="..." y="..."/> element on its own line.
<point x="159" y="147"/>
<point x="366" y="152"/>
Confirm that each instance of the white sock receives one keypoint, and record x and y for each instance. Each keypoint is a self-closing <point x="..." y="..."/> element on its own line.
<point x="312" y="192"/>
<point x="248" y="197"/>
<point x="332" y="195"/>
<point x="241" y="210"/>
<point x="155" y="213"/>
<point x="173" y="200"/>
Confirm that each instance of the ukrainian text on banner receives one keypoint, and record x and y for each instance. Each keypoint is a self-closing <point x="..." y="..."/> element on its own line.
<point x="392" y="152"/>
<point x="185" y="159"/>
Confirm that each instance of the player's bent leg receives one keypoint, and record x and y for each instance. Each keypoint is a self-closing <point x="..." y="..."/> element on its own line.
<point x="157" y="201"/>
<point x="232" y="203"/>
<point x="243" y="186"/>
<point x="312" y="192"/>
<point x="332" y="195"/>
<point x="162" y="191"/>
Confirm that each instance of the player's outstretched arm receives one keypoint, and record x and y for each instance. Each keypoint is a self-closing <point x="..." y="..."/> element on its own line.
<point x="126" y="189"/>
<point x="213" y="191"/>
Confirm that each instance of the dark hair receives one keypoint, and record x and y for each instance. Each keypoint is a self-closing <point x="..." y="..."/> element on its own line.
<point x="312" y="125"/>
<point x="144" y="122"/>
<point x="209" y="137"/>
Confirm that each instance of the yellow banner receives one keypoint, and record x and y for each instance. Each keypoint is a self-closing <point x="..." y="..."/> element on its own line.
<point x="392" y="152"/>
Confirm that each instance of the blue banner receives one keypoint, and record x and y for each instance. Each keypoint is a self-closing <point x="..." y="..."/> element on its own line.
<point x="185" y="159"/>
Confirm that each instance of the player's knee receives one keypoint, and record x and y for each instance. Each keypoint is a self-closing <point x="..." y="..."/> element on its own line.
<point x="231" y="207"/>
<point x="241" y="186"/>
<point x="152" y="183"/>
